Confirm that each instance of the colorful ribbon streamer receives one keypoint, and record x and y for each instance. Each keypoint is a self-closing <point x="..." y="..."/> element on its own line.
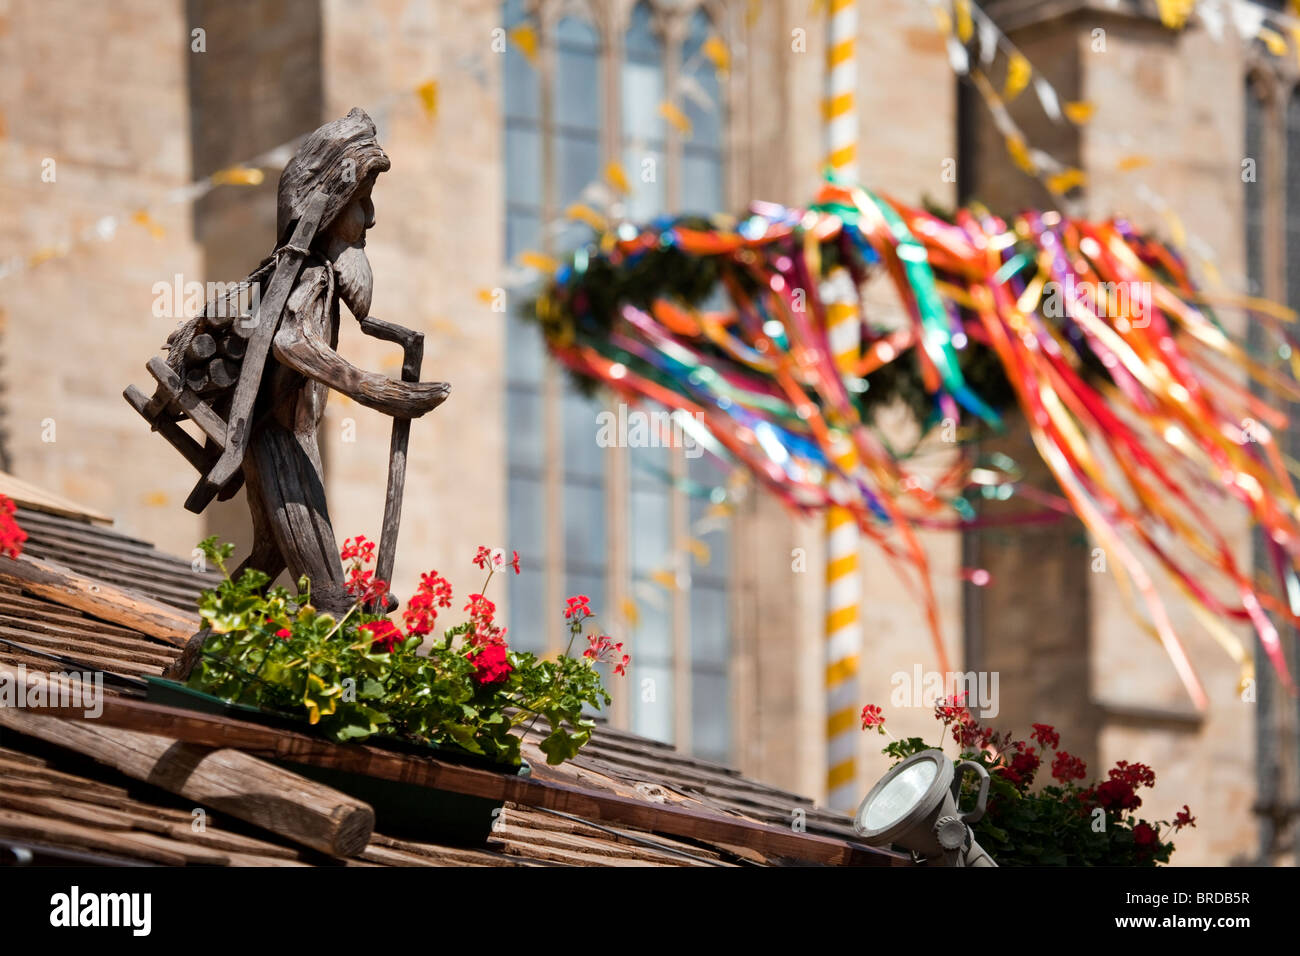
<point x="1132" y="391"/>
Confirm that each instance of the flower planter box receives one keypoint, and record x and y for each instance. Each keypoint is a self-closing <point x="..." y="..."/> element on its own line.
<point x="401" y="809"/>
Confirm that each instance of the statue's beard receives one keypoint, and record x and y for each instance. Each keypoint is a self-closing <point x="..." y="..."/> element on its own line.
<point x="352" y="269"/>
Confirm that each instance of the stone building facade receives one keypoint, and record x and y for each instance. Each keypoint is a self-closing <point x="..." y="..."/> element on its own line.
<point x="130" y="111"/>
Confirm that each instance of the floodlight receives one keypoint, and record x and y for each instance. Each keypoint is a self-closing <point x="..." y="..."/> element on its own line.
<point x="915" y="807"/>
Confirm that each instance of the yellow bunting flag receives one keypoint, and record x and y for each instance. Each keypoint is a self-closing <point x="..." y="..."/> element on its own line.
<point x="1174" y="13"/>
<point x="156" y="499"/>
<point x="1273" y="40"/>
<point x="719" y="510"/>
<point x="1019" y="72"/>
<point x="615" y="176"/>
<point x="525" y="37"/>
<point x="673" y="114"/>
<point x="717" y="53"/>
<point x="428" y="93"/>
<point x="1062" y="182"/>
<point x="701" y="551"/>
<point x="1079" y="111"/>
<point x="965" y="28"/>
<point x="631" y="613"/>
<point x="665" y="579"/>
<point x="1019" y="153"/>
<point x="753" y="12"/>
<point x="535" y="260"/>
<point x="1134" y="161"/>
<point x="141" y="217"/>
<point x="942" y="19"/>
<point x="238" y="176"/>
<point x="583" y="213"/>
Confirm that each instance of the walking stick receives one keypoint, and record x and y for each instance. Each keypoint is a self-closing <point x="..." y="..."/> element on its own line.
<point x="412" y="343"/>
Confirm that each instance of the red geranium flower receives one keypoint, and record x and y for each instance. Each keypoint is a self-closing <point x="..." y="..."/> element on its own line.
<point x="1184" y="818"/>
<point x="1066" y="767"/>
<point x="1025" y="763"/>
<point x="485" y="632"/>
<point x="579" y="606"/>
<point x="1116" y="795"/>
<point x="1133" y="775"/>
<point x="1046" y="735"/>
<point x="358" y="549"/>
<point x="603" y="650"/>
<point x="1144" y="835"/>
<point x="364" y="587"/>
<point x="284" y="633"/>
<point x="420" y="614"/>
<point x="1010" y="775"/>
<point x="435" y="584"/>
<point x="872" y="717"/>
<point x="967" y="731"/>
<point x="481" y="608"/>
<point x="495" y="559"/>
<point x="384" y="636"/>
<point x="11" y="536"/>
<point x="948" y="709"/>
<point x="491" y="665"/>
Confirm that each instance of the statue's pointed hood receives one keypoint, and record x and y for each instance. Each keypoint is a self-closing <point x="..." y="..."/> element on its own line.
<point x="338" y="158"/>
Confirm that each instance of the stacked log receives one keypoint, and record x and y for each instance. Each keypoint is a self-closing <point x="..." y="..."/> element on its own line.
<point x="207" y="351"/>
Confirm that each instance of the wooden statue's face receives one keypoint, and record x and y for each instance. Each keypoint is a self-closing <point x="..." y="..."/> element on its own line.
<point x="356" y="217"/>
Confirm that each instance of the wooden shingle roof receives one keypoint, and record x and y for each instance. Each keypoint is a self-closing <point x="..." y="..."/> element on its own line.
<point x="89" y="595"/>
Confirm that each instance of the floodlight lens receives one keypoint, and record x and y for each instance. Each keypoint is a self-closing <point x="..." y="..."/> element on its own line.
<point x="900" y="795"/>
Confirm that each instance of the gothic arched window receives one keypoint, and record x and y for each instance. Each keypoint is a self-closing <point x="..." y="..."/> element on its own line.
<point x="613" y="523"/>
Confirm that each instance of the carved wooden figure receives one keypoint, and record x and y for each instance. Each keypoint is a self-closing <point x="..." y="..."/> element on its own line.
<point x="255" y="379"/>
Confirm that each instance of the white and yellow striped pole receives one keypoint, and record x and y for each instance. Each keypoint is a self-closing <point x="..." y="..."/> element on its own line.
<point x="842" y="89"/>
<point x="843" y="577"/>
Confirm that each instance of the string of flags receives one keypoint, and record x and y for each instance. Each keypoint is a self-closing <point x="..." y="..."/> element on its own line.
<point x="251" y="172"/>
<point x="974" y="43"/>
<point x="1270" y="28"/>
<point x="968" y="31"/>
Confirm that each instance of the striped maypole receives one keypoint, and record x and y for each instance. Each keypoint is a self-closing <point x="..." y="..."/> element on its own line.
<point x="842" y="88"/>
<point x="843" y="578"/>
